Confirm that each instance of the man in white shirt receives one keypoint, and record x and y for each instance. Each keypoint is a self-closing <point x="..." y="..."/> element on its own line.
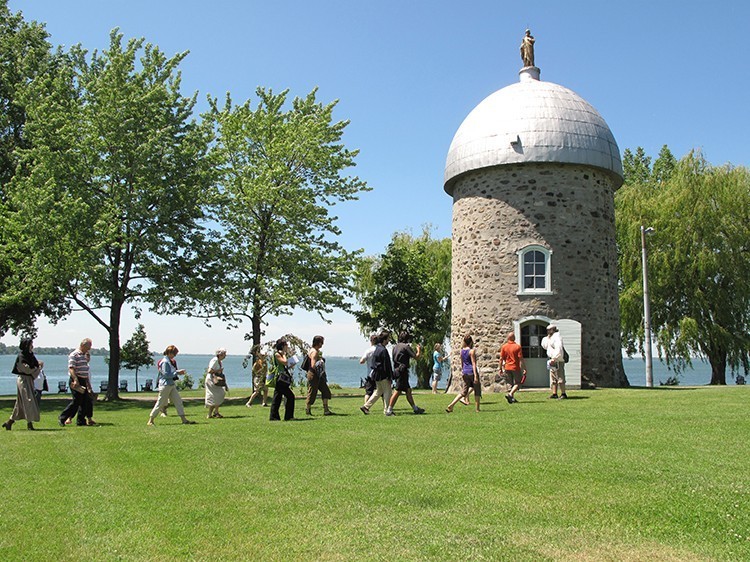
<point x="553" y="343"/>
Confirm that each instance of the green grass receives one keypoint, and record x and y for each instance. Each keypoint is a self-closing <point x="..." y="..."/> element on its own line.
<point x="632" y="474"/>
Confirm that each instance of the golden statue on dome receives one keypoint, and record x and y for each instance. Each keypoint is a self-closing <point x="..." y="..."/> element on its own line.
<point x="527" y="49"/>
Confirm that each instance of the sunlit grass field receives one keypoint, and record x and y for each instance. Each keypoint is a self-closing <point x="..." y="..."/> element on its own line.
<point x="635" y="474"/>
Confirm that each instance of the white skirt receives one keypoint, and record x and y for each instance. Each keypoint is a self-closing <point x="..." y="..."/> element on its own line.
<point x="214" y="394"/>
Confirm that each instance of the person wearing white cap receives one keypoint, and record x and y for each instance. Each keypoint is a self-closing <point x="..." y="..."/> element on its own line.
<point x="553" y="343"/>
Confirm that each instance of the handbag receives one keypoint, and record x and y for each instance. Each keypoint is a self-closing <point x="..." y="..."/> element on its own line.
<point x="220" y="380"/>
<point x="305" y="363"/>
<point x="271" y="379"/>
<point x="45" y="386"/>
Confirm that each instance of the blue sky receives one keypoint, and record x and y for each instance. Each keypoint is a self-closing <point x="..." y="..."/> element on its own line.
<point x="408" y="72"/>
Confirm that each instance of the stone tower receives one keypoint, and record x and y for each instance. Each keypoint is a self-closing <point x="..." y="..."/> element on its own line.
<point x="532" y="171"/>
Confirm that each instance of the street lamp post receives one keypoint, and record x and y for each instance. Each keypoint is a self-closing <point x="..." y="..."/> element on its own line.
<point x="646" y="308"/>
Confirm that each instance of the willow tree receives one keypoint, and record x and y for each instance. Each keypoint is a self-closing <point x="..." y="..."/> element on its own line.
<point x="112" y="192"/>
<point x="283" y="168"/>
<point x="698" y="260"/>
<point x="408" y="287"/>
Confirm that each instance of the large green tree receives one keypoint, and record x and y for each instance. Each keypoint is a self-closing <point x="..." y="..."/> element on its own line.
<point x="698" y="258"/>
<point x="113" y="191"/>
<point x="283" y="168"/>
<point x="25" y="54"/>
<point x="408" y="287"/>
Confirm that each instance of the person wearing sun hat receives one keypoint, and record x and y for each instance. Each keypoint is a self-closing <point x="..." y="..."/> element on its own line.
<point x="553" y="343"/>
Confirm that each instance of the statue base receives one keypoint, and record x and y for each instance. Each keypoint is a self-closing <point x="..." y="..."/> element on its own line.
<point x="529" y="73"/>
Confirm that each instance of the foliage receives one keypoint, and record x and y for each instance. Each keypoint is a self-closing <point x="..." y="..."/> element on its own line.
<point x="699" y="262"/>
<point x="409" y="288"/>
<point x="136" y="352"/>
<point x="110" y="205"/>
<point x="282" y="171"/>
<point x="614" y="476"/>
<point x="186" y="382"/>
<point x="24" y="56"/>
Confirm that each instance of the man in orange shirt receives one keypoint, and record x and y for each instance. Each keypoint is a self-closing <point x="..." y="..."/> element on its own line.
<point x="512" y="366"/>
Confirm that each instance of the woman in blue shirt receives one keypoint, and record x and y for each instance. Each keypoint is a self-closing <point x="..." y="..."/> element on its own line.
<point x="168" y="372"/>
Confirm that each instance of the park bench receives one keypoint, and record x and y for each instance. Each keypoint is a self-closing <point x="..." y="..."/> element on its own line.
<point x="62" y="386"/>
<point x="103" y="386"/>
<point x="148" y="386"/>
<point x="123" y="386"/>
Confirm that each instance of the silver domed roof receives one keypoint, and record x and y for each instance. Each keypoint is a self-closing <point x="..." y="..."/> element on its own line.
<point x="532" y="121"/>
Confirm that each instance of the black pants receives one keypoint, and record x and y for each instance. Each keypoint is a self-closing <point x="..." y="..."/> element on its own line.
<point x="282" y="389"/>
<point x="81" y="403"/>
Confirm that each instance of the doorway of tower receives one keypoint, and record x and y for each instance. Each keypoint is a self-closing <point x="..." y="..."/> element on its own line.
<point x="530" y="332"/>
<point x="534" y="354"/>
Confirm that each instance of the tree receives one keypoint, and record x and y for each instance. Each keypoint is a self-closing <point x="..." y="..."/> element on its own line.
<point x="25" y="54"/>
<point x="636" y="167"/>
<point x="136" y="352"/>
<point x="282" y="171"/>
<point x="112" y="200"/>
<point x="699" y="263"/>
<point x="409" y="288"/>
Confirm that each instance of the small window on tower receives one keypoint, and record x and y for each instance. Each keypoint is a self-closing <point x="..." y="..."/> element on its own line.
<point x="534" y="270"/>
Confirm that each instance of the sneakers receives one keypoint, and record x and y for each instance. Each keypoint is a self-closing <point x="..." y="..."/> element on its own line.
<point x="563" y="396"/>
<point x="553" y="397"/>
<point x="308" y="412"/>
<point x="419" y="410"/>
<point x="328" y="413"/>
<point x="390" y="413"/>
<point x="509" y="398"/>
<point x="364" y="410"/>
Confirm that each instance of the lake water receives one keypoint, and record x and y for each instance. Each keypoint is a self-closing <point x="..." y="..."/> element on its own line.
<point x="341" y="370"/>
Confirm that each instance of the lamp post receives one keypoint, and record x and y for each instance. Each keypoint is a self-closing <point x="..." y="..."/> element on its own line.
<point x="646" y="308"/>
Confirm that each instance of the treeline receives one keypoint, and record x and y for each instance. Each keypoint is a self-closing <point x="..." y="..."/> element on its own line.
<point x="116" y="194"/>
<point x="698" y="259"/>
<point x="13" y="350"/>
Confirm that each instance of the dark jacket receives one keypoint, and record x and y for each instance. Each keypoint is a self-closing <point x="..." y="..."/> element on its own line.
<point x="381" y="363"/>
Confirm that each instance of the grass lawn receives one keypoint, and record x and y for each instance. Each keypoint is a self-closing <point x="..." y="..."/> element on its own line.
<point x="632" y="474"/>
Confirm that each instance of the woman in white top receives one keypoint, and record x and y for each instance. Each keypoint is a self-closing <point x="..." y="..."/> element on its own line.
<point x="216" y="384"/>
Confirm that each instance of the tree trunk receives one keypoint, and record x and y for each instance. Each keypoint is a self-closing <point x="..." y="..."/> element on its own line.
<point x="256" y="333"/>
<point x="114" y="351"/>
<point x="718" y="363"/>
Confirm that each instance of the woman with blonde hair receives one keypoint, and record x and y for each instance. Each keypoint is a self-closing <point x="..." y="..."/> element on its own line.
<point x="216" y="384"/>
<point x="168" y="373"/>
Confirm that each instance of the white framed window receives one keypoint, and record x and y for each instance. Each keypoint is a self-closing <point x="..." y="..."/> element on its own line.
<point x="534" y="270"/>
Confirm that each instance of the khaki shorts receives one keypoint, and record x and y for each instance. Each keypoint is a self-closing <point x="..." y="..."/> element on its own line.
<point x="557" y="372"/>
<point x="259" y="383"/>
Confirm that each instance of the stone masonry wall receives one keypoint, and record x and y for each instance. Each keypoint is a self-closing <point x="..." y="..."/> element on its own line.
<point x="566" y="208"/>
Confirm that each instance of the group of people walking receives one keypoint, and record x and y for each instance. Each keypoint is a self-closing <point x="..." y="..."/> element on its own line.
<point x="387" y="378"/>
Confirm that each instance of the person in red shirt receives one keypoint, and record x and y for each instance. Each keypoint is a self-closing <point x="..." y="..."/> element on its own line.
<point x="512" y="366"/>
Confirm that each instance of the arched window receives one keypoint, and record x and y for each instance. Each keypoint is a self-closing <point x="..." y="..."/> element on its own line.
<point x="534" y="271"/>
